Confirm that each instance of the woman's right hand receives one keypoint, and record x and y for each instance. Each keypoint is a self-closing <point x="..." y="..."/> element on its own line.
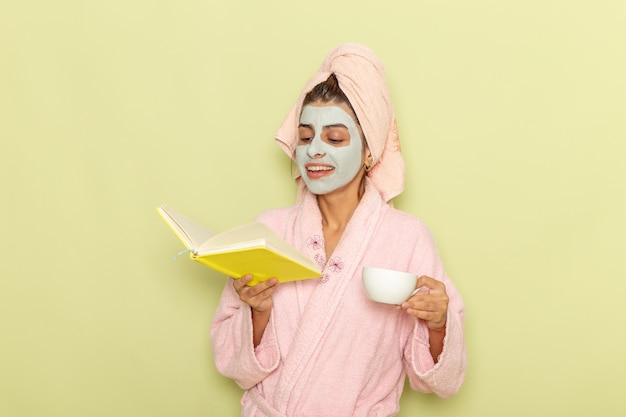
<point x="258" y="297"/>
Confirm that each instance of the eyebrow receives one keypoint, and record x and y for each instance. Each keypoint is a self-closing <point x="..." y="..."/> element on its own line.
<point x="310" y="126"/>
<point x="336" y="125"/>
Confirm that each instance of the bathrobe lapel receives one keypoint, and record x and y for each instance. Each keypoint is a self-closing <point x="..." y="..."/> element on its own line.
<point x="323" y="298"/>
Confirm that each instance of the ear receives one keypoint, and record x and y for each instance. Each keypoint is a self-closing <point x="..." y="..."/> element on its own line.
<point x="368" y="158"/>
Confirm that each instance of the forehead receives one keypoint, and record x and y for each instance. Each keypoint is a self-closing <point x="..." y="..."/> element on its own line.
<point x="324" y="115"/>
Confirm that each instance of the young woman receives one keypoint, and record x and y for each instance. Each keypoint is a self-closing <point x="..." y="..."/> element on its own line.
<point x="321" y="347"/>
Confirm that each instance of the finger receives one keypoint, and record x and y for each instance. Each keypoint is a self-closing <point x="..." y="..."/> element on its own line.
<point x="434" y="306"/>
<point x="239" y="284"/>
<point x="256" y="297"/>
<point x="261" y="287"/>
<point x="422" y="304"/>
<point x="416" y="295"/>
<point x="267" y="285"/>
<point x="426" y="281"/>
<point x="434" y="320"/>
<point x="428" y="302"/>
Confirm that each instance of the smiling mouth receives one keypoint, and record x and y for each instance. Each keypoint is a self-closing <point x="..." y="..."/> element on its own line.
<point x="318" y="168"/>
<point x="315" y="172"/>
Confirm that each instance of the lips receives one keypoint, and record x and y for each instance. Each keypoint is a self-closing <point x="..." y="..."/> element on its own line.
<point x="315" y="171"/>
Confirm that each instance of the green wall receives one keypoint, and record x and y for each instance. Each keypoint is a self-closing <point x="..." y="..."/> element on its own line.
<point x="511" y="117"/>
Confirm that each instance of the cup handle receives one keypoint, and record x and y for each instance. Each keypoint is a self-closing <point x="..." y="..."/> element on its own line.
<point x="414" y="292"/>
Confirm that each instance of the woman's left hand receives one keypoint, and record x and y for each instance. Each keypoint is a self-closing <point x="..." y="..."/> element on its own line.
<point x="430" y="306"/>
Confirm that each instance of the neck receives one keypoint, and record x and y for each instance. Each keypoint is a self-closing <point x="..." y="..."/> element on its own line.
<point x="336" y="211"/>
<point x="337" y="207"/>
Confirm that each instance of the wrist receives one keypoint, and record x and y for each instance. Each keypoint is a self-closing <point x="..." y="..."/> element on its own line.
<point x="260" y="313"/>
<point x="441" y="329"/>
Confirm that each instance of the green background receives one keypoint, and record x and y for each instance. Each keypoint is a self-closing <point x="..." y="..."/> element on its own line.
<point x="511" y="119"/>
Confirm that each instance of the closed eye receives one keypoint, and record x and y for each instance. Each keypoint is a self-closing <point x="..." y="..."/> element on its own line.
<point x="306" y="133"/>
<point x="336" y="135"/>
<point x="335" y="141"/>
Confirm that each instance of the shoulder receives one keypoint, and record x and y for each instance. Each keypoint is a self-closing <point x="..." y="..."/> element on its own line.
<point x="407" y="228"/>
<point x="405" y="222"/>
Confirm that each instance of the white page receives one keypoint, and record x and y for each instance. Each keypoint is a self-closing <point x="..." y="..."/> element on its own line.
<point x="195" y="233"/>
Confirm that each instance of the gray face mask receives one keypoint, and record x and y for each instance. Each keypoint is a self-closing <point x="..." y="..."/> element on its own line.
<point x="324" y="166"/>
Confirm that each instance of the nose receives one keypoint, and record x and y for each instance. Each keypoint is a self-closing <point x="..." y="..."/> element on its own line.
<point x="316" y="147"/>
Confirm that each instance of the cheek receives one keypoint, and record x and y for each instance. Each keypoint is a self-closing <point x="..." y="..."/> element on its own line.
<point x="300" y="155"/>
<point x="350" y="156"/>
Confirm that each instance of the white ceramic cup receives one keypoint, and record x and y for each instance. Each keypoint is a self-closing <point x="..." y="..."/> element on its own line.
<point x="388" y="286"/>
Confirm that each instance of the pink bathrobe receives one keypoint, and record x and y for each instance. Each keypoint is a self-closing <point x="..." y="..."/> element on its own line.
<point x="328" y="350"/>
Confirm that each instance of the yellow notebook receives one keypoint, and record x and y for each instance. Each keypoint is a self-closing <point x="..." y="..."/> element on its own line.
<point x="249" y="249"/>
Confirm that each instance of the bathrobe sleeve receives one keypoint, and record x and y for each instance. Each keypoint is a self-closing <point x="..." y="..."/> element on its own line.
<point x="233" y="348"/>
<point x="445" y="377"/>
